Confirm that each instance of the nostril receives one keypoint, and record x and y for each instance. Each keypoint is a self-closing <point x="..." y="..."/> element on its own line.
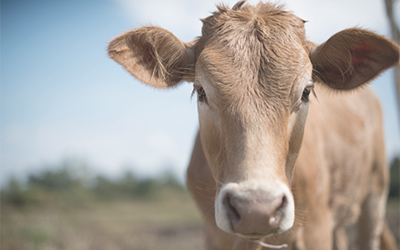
<point x="284" y="202"/>
<point x="232" y="212"/>
<point x="277" y="216"/>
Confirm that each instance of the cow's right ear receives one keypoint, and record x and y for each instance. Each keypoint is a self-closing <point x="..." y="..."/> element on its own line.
<point x="154" y="56"/>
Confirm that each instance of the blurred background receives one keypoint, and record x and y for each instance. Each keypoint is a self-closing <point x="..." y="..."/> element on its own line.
<point x="77" y="130"/>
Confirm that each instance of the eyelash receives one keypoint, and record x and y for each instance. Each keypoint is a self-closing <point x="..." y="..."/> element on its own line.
<point x="305" y="96"/>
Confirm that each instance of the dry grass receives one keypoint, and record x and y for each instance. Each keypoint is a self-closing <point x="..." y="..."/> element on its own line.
<point x="172" y="222"/>
<point x="393" y="217"/>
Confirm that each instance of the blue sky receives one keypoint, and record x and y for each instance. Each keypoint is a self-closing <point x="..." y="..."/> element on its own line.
<point x="61" y="97"/>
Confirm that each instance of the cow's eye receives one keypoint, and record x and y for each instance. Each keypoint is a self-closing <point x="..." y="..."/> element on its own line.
<point x="306" y="95"/>
<point x="201" y="94"/>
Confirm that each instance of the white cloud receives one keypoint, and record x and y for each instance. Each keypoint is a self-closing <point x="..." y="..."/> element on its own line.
<point x="328" y="17"/>
<point x="325" y="17"/>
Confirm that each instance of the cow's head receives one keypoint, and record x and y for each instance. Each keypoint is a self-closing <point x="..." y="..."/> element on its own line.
<point x="254" y="72"/>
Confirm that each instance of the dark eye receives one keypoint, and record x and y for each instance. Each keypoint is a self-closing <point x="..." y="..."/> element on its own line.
<point x="306" y="95"/>
<point x="201" y="94"/>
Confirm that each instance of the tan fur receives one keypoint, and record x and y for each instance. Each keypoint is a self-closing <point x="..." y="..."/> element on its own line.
<point x="138" y="51"/>
<point x="251" y="67"/>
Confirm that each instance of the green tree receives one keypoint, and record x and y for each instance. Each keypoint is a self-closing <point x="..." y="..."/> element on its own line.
<point x="14" y="193"/>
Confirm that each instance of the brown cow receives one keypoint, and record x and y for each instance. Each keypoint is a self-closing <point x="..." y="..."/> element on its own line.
<point x="255" y="72"/>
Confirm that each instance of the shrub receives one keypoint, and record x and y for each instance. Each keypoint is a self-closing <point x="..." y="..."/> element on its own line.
<point x="394" y="189"/>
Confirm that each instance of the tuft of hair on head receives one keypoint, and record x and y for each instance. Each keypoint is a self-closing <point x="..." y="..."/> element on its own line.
<point x="239" y="5"/>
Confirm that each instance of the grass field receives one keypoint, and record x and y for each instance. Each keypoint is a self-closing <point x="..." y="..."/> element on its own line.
<point x="58" y="209"/>
<point x="170" y="222"/>
<point x="393" y="217"/>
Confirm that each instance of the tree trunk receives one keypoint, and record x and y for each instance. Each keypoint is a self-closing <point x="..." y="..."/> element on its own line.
<point x="396" y="37"/>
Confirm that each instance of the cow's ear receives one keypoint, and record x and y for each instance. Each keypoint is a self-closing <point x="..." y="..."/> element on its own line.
<point x="154" y="56"/>
<point x="352" y="57"/>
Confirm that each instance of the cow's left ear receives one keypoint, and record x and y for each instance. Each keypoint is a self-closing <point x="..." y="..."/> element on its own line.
<point x="353" y="57"/>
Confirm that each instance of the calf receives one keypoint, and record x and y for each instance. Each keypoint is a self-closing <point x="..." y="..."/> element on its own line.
<point x="257" y="79"/>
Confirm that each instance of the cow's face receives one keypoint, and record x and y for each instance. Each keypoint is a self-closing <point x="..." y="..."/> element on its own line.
<point x="253" y="82"/>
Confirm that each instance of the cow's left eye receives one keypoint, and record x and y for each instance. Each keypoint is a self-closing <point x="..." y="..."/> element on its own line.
<point x="201" y="94"/>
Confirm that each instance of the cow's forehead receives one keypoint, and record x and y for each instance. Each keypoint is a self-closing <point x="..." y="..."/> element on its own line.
<point x="267" y="22"/>
<point x="254" y="55"/>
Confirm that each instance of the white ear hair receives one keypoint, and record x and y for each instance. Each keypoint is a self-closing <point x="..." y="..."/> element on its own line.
<point x="154" y="56"/>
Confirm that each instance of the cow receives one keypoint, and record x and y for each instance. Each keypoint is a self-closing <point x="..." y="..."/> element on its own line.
<point x="290" y="148"/>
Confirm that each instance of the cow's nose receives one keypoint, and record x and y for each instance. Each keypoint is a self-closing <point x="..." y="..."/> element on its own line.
<point x="257" y="214"/>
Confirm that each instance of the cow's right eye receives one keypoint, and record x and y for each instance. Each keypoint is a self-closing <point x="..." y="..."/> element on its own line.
<point x="306" y="95"/>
